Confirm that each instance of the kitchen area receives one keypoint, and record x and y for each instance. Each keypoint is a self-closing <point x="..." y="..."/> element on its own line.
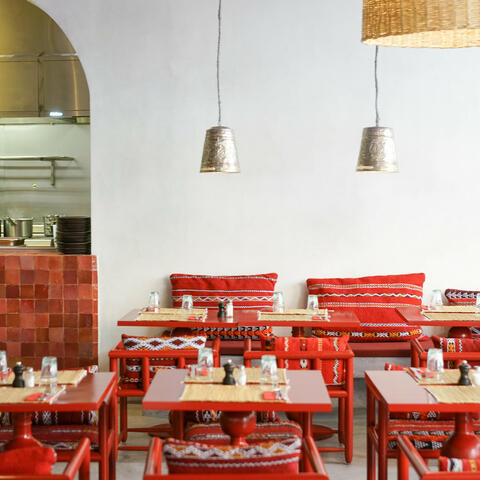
<point x="44" y="129"/>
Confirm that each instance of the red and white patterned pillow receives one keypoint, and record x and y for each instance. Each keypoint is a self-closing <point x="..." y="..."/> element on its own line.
<point x="453" y="345"/>
<point x="374" y="300"/>
<point x="267" y="457"/>
<point x="461" y="297"/>
<point x="133" y="373"/>
<point x="446" y="464"/>
<point x="251" y="292"/>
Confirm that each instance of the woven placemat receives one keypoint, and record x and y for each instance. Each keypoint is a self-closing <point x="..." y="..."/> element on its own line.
<point x="292" y="315"/>
<point x="453" y="308"/>
<point x="64" y="377"/>
<point x="253" y="376"/>
<point x="455" y="394"/>
<point x="450" y="316"/>
<point x="173" y="314"/>
<point x="18" y="395"/>
<point x="225" y="393"/>
<point x="447" y="377"/>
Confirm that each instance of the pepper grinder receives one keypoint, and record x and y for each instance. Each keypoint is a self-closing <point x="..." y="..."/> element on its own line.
<point x="464" y="380"/>
<point x="229" y="379"/>
<point x="18" y="381"/>
<point x="222" y="313"/>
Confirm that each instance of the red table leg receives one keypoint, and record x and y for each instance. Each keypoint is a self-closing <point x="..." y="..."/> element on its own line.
<point x="238" y="425"/>
<point x="22" y="432"/>
<point x="463" y="443"/>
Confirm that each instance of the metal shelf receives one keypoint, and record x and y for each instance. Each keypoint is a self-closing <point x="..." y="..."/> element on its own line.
<point x="46" y="158"/>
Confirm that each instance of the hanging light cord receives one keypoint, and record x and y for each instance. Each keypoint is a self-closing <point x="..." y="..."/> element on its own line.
<point x="377" y="116"/>
<point x="219" y="100"/>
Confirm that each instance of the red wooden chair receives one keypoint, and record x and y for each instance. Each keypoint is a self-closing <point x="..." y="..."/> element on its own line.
<point x="148" y="362"/>
<point x="408" y="455"/>
<point x="79" y="463"/>
<point x="342" y="390"/>
<point x="311" y="459"/>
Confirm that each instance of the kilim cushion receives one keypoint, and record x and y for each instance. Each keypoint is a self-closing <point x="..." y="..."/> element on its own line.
<point x="268" y="457"/>
<point x="212" y="433"/>
<point x="27" y="461"/>
<point x="457" y="345"/>
<point x="133" y="373"/>
<point x="446" y="464"/>
<point x="332" y="369"/>
<point x="373" y="299"/>
<point x="461" y="297"/>
<point x="251" y="292"/>
<point x="212" y="416"/>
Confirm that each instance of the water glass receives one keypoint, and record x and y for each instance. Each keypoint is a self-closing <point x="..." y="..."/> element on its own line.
<point x="48" y="375"/>
<point x="477" y="301"/>
<point x="436" y="300"/>
<point x="153" y="301"/>
<point x="269" y="374"/>
<point x="187" y="302"/>
<point x="312" y="303"/>
<point x="205" y="361"/>
<point x="435" y="361"/>
<point x="278" y="303"/>
<point x="4" y="371"/>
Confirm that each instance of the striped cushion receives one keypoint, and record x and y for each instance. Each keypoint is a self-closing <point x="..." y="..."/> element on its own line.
<point x="459" y="345"/>
<point x="213" y="434"/>
<point x="373" y="299"/>
<point x="446" y="464"/>
<point x="252" y="292"/>
<point x="268" y="457"/>
<point x="461" y="297"/>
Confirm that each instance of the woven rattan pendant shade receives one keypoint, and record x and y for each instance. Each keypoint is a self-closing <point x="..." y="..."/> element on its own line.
<point x="421" y="23"/>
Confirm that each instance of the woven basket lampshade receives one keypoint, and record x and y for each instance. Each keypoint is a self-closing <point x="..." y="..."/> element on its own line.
<point x="421" y="23"/>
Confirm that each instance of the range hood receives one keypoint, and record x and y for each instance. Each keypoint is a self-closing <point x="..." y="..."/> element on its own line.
<point x="40" y="74"/>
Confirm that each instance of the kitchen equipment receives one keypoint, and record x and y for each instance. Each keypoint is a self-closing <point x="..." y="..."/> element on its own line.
<point x="11" y="241"/>
<point x="19" y="227"/>
<point x="48" y="222"/>
<point x="2" y="227"/>
<point x="73" y="235"/>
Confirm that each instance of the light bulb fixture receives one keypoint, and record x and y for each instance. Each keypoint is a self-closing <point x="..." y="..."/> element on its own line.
<point x="421" y="23"/>
<point x="377" y="151"/>
<point x="219" y="150"/>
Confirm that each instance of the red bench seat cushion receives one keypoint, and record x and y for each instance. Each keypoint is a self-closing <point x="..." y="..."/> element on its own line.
<point x="251" y="292"/>
<point x="267" y="457"/>
<point x="374" y="300"/>
<point x="452" y="345"/>
<point x="27" y="461"/>
<point x="446" y="464"/>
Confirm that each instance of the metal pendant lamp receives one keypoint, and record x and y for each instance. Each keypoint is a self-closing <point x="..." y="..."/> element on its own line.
<point x="219" y="150"/>
<point x="421" y="23"/>
<point x="377" y="151"/>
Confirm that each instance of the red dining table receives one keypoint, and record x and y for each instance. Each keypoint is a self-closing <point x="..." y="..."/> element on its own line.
<point x="307" y="394"/>
<point x="94" y="392"/>
<point x="398" y="391"/>
<point x="458" y="328"/>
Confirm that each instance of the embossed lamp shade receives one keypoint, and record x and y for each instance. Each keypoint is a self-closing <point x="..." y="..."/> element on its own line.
<point x="219" y="151"/>
<point x="377" y="151"/>
<point x="421" y="23"/>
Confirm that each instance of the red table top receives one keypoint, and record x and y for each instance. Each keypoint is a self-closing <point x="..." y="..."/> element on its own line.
<point x="414" y="316"/>
<point x="307" y="392"/>
<point x="401" y="393"/>
<point x="244" y="318"/>
<point x="89" y="394"/>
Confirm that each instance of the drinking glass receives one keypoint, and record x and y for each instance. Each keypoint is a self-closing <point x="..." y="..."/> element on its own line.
<point x="153" y="301"/>
<point x="269" y="374"/>
<point x="187" y="302"/>
<point x="48" y="375"/>
<point x="205" y="361"/>
<point x="3" y="367"/>
<point x="435" y="361"/>
<point x="312" y="303"/>
<point x="477" y="301"/>
<point x="278" y="303"/>
<point x="436" y="300"/>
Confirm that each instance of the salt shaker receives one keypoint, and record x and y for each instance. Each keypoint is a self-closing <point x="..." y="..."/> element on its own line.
<point x="18" y="370"/>
<point x="29" y="378"/>
<point x="229" y="309"/>
<point x="475" y="376"/>
<point x="241" y="376"/>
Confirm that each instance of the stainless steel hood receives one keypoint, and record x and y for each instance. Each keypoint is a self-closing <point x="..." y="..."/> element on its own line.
<point x="40" y="73"/>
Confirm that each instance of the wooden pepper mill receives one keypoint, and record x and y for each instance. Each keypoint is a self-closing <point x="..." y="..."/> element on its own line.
<point x="464" y="379"/>
<point x="222" y="313"/>
<point x="229" y="379"/>
<point x="18" y="370"/>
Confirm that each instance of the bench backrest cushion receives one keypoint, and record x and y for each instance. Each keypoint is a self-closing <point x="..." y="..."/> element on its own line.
<point x="460" y="345"/>
<point x="446" y="464"/>
<point x="461" y="297"/>
<point x="267" y="457"/>
<point x="374" y="300"/>
<point x="251" y="292"/>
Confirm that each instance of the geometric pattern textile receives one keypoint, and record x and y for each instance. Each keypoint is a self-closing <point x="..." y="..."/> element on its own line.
<point x="267" y="457"/>
<point x="373" y="299"/>
<point x="452" y="345"/>
<point x="461" y="297"/>
<point x="446" y="464"/>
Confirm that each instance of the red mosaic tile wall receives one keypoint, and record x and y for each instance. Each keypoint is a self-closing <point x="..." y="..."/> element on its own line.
<point x="49" y="306"/>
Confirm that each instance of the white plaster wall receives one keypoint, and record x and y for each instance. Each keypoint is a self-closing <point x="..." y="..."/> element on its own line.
<point x="297" y="89"/>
